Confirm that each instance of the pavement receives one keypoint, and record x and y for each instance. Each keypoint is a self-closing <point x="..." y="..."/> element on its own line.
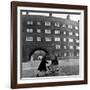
<point x="66" y="67"/>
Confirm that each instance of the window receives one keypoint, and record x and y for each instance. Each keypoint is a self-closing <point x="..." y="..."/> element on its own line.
<point x="47" y="31"/>
<point x="38" y="23"/>
<point x="70" y="33"/>
<point x="29" y="38"/>
<point x="63" y="25"/>
<point x="65" y="54"/>
<point x="70" y="26"/>
<point x="77" y="34"/>
<point x="77" y="54"/>
<point x="29" y="30"/>
<point x="29" y="22"/>
<point x="57" y="46"/>
<point x="57" y="31"/>
<point x="24" y="13"/>
<point x="77" y="41"/>
<point x="48" y="39"/>
<point x="47" y="23"/>
<point x="38" y="30"/>
<point x="64" y="32"/>
<point x="64" y="39"/>
<point x="57" y="24"/>
<point x="76" y="27"/>
<point x="57" y="39"/>
<point x="71" y="47"/>
<point x="38" y="38"/>
<point x="70" y="40"/>
<point x="65" y="47"/>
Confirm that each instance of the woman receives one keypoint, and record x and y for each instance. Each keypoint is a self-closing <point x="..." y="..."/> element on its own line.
<point x="42" y="66"/>
<point x="54" y="66"/>
<point x="55" y="61"/>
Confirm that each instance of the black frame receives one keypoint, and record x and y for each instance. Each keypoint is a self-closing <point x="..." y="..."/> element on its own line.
<point x="14" y="6"/>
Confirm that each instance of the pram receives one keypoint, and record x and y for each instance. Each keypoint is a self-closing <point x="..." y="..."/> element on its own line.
<point x="53" y="68"/>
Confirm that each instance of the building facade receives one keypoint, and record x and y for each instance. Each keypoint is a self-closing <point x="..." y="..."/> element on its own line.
<point x="57" y="36"/>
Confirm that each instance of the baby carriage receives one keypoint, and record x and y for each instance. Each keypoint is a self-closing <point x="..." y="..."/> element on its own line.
<point x="53" y="68"/>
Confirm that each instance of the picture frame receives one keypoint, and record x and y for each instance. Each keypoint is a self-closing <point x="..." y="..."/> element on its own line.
<point x="27" y="21"/>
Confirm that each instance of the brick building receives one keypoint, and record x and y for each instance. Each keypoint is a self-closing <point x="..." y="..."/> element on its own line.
<point x="56" y="36"/>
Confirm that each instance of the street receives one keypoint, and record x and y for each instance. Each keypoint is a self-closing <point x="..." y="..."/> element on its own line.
<point x="66" y="67"/>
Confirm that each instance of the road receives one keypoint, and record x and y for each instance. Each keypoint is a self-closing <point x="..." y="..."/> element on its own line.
<point x="66" y="67"/>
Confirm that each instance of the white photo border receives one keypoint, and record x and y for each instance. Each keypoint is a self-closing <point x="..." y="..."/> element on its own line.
<point x="58" y="78"/>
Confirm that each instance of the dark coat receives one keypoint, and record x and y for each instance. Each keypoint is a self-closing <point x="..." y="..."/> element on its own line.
<point x="55" y="61"/>
<point x="42" y="66"/>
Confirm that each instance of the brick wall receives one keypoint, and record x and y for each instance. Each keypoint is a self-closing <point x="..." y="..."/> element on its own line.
<point x="28" y="46"/>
